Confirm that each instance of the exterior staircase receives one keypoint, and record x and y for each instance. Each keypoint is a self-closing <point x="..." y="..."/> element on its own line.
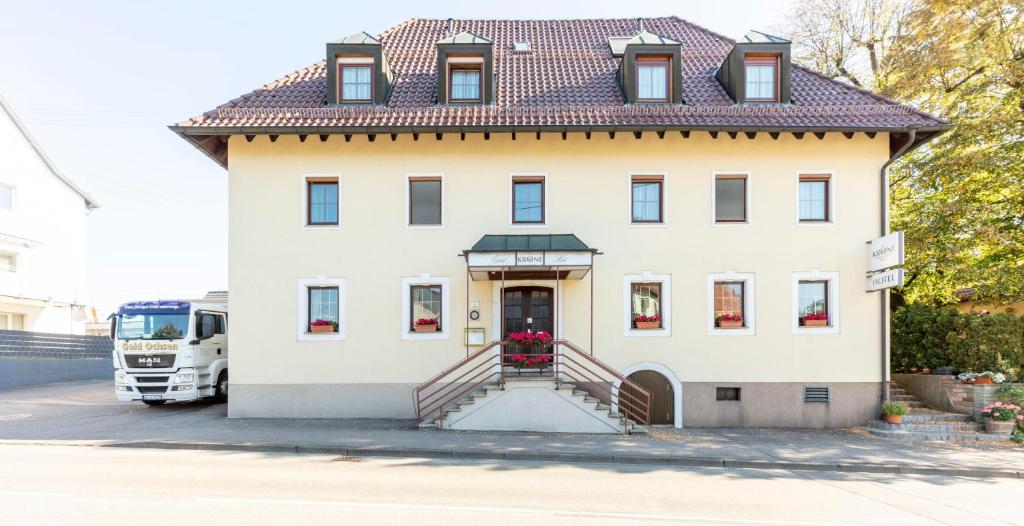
<point x="484" y="409"/>
<point x="569" y="392"/>
<point x="923" y="424"/>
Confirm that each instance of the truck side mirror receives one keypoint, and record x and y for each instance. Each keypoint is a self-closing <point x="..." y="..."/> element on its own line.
<point x="113" y="326"/>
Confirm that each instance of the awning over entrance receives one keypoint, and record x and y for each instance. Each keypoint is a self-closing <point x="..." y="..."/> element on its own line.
<point x="529" y="256"/>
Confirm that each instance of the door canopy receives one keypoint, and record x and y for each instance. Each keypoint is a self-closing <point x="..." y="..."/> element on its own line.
<point x="531" y="256"/>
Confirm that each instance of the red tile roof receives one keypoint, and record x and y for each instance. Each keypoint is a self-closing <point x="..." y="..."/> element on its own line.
<point x="568" y="79"/>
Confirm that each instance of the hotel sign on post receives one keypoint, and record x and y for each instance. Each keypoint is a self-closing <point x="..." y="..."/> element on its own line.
<point x="885" y="253"/>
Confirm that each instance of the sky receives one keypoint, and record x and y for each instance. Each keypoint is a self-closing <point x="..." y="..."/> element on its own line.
<point x="98" y="82"/>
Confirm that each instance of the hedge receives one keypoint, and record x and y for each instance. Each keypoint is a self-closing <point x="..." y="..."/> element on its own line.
<point x="925" y="337"/>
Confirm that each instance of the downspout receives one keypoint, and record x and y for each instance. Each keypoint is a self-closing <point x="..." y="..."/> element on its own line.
<point x="884" y="172"/>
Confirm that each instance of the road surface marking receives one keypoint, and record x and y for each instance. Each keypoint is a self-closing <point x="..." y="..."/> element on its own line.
<point x="15" y="416"/>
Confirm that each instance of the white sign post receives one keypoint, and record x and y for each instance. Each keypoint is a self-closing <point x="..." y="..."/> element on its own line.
<point x="885" y="252"/>
<point x="885" y="280"/>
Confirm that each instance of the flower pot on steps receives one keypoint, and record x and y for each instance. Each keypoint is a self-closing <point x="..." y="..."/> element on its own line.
<point x="982" y="380"/>
<point x="893" y="419"/>
<point x="999" y="428"/>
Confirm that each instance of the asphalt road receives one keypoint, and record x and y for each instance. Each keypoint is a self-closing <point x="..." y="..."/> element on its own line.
<point x="96" y="485"/>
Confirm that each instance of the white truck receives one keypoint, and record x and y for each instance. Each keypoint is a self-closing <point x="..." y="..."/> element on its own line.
<point x="171" y="350"/>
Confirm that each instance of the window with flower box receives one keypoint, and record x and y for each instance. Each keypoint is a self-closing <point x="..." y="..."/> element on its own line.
<point x="426" y="308"/>
<point x="647" y="305"/>
<point x="731" y="304"/>
<point x="815" y="302"/>
<point x="321" y="309"/>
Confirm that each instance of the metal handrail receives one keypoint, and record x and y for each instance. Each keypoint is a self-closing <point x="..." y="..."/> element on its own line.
<point x="452" y="384"/>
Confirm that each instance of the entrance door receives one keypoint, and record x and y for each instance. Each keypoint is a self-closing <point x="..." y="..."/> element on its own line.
<point x="528" y="309"/>
<point x="662" y="399"/>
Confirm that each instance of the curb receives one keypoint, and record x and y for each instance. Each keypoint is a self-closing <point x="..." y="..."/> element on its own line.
<point x="664" y="460"/>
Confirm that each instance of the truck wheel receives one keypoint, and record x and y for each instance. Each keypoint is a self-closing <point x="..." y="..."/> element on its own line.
<point x="220" y="392"/>
<point x="154" y="402"/>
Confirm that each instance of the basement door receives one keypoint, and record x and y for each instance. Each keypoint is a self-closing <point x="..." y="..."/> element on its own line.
<point x="662" y="399"/>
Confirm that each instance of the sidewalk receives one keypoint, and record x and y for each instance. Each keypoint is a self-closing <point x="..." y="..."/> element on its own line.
<point x="86" y="414"/>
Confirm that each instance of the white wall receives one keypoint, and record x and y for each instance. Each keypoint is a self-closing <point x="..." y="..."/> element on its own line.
<point x="46" y="229"/>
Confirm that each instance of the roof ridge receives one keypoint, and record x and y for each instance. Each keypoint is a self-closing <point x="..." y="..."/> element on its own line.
<point x="704" y="29"/>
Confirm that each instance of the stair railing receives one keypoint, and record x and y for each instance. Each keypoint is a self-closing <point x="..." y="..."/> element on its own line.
<point x="569" y="363"/>
<point x="602" y="382"/>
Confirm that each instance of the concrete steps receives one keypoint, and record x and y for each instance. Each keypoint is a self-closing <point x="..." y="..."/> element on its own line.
<point x="924" y="424"/>
<point x="581" y="399"/>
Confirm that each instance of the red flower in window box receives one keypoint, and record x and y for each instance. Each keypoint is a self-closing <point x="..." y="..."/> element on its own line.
<point x="425" y="325"/>
<point x="729" y="321"/>
<point x="323" y="326"/>
<point x="814" y="320"/>
<point x="532" y="360"/>
<point x="644" y="322"/>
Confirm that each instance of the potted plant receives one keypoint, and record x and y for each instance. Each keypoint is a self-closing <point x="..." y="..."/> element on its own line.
<point x="1001" y="417"/>
<point x="819" y="319"/>
<point x="323" y="326"/>
<point x="729" y="321"/>
<point x="541" y="361"/>
<point x="530" y="350"/>
<point x="967" y="377"/>
<point x="892" y="412"/>
<point x="644" y="322"/>
<point x="425" y="325"/>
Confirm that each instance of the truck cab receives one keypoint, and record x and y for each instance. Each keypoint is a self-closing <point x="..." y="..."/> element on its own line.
<point x="171" y="350"/>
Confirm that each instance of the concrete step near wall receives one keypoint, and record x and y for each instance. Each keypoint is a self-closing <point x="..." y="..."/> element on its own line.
<point x="615" y="421"/>
<point x="925" y="424"/>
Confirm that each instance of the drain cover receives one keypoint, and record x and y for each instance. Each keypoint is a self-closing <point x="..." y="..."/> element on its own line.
<point x="347" y="459"/>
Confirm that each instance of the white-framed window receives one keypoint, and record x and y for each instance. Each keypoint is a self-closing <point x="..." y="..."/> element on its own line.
<point x="320" y="309"/>
<point x="6" y="197"/>
<point x="424" y="200"/>
<point x="815" y="302"/>
<point x="528" y="197"/>
<point x="321" y="201"/>
<point x="8" y="262"/>
<point x="731" y="304"/>
<point x="426" y="297"/>
<point x="815" y="198"/>
<point x="730" y="198"/>
<point x="647" y="205"/>
<point x="647" y="298"/>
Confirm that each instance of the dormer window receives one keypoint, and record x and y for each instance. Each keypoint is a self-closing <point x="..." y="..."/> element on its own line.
<point x="653" y="81"/>
<point x="465" y="69"/>
<point x="361" y="74"/>
<point x="465" y="80"/>
<point x="355" y="76"/>
<point x="761" y="72"/>
<point x="757" y="70"/>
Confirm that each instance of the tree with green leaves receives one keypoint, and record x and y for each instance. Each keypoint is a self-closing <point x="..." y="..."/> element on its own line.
<point x="960" y="197"/>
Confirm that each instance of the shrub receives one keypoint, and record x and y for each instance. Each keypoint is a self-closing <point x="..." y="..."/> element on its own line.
<point x="926" y="337"/>
<point x="1011" y="394"/>
<point x="894" y="408"/>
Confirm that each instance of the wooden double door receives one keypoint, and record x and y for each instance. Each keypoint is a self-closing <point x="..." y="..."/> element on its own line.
<point x="528" y="309"/>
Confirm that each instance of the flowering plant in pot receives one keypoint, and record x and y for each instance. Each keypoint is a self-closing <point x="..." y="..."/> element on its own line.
<point x="892" y="412"/>
<point x="644" y="322"/>
<point x="530" y="349"/>
<point x="1001" y="417"/>
<point x="729" y="321"/>
<point x="531" y="360"/>
<point x="323" y="326"/>
<point x="819" y="319"/>
<point x="425" y="325"/>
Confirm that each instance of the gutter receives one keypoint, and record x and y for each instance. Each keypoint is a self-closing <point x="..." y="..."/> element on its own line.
<point x="884" y="298"/>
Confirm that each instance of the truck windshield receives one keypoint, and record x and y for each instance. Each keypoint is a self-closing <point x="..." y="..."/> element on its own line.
<point x="152" y="326"/>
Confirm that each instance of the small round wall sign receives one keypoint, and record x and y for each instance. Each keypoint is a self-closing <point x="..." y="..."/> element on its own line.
<point x="474" y="315"/>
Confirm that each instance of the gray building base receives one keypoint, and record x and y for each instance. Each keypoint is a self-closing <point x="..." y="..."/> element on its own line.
<point x="20" y="372"/>
<point x="780" y="404"/>
<point x="321" y="401"/>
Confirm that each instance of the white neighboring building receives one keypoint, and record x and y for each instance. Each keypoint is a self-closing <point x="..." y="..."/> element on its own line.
<point x="42" y="237"/>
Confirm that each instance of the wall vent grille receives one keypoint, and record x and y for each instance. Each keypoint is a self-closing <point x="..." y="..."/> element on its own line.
<point x="816" y="394"/>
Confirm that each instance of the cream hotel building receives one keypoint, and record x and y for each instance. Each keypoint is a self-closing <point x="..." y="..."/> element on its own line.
<point x="683" y="217"/>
